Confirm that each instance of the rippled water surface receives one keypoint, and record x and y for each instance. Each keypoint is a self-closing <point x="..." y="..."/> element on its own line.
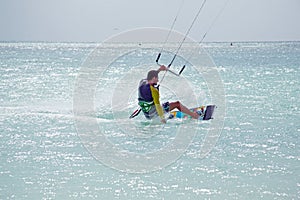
<point x="256" y="156"/>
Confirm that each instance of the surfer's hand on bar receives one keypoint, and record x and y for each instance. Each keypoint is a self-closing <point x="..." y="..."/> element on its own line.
<point x="162" y="68"/>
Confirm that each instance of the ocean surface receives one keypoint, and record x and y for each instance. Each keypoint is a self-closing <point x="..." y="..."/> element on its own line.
<point x="46" y="154"/>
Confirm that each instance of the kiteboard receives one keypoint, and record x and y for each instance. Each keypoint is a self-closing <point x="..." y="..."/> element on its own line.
<point x="205" y="112"/>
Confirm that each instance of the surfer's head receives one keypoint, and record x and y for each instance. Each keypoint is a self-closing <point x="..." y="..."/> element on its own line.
<point x="152" y="74"/>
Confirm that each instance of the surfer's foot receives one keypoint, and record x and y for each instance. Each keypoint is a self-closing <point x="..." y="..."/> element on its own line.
<point x="200" y="113"/>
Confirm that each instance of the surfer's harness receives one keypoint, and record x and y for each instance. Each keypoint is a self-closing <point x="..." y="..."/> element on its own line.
<point x="146" y="106"/>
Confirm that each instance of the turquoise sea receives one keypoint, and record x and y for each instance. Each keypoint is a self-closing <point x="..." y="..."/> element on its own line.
<point x="46" y="154"/>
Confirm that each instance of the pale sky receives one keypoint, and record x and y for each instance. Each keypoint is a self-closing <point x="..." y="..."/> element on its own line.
<point x="96" y="20"/>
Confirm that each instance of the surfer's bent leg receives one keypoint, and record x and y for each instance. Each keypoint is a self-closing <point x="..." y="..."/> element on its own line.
<point x="183" y="109"/>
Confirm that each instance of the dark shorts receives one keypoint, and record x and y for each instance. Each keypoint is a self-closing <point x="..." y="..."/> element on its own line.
<point x="166" y="106"/>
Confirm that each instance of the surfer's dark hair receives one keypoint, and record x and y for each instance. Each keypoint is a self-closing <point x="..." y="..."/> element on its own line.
<point x="151" y="74"/>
